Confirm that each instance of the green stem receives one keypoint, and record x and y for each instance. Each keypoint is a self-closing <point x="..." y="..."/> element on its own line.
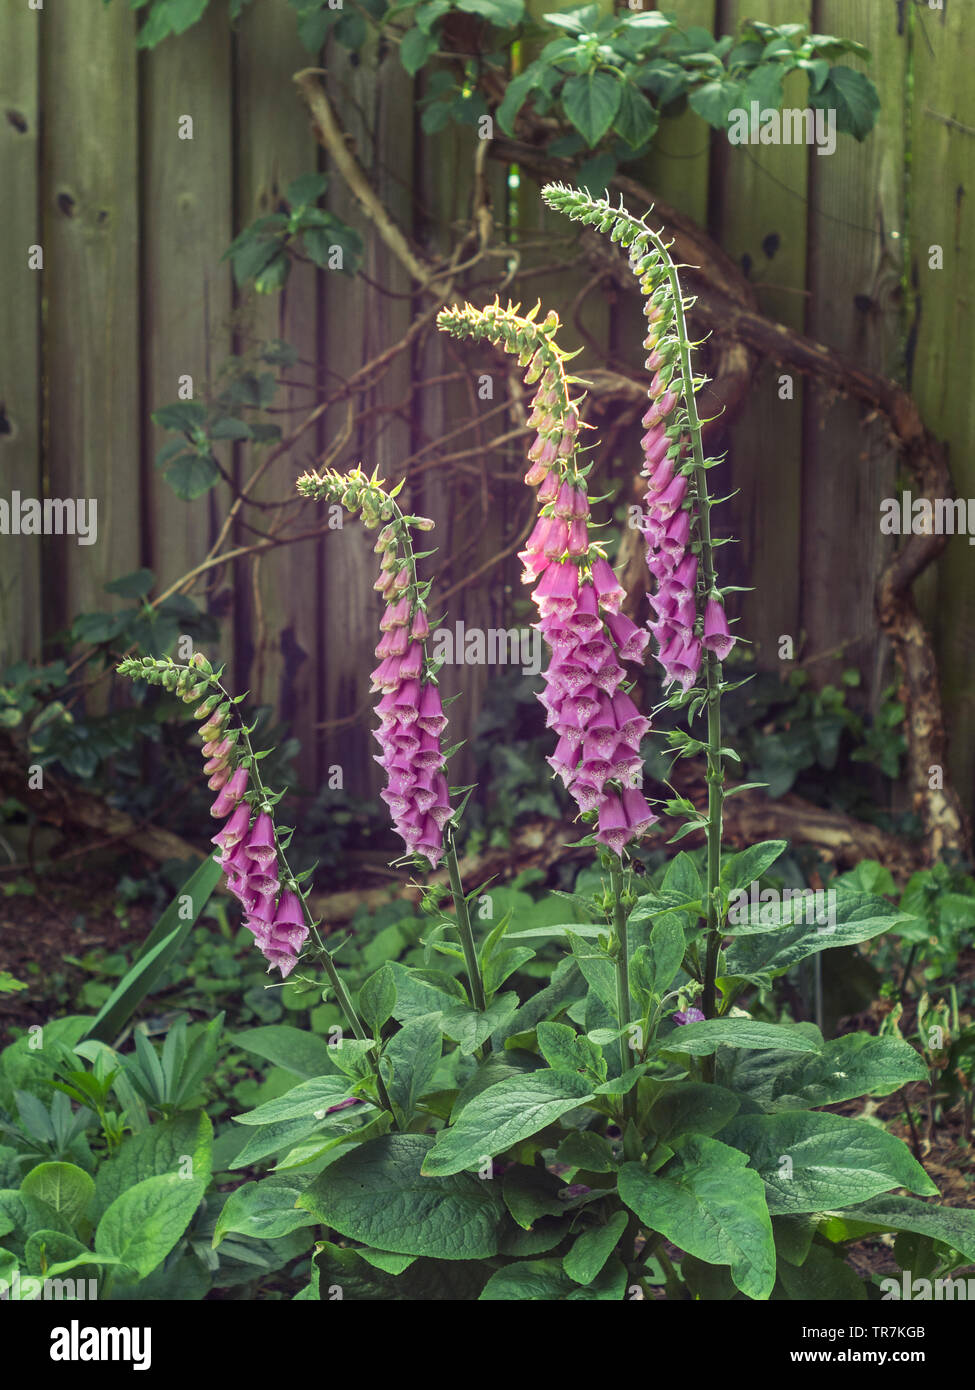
<point x="622" y="982"/>
<point x="712" y="666"/>
<point x="466" y="932"/>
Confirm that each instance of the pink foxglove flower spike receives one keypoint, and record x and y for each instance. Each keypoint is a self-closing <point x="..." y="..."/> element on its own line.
<point x="578" y="596"/>
<point x="410" y="708"/>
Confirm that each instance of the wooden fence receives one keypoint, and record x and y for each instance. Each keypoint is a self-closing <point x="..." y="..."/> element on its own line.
<point x="132" y="223"/>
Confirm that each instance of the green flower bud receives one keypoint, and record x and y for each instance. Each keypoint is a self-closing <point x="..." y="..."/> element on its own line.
<point x="207" y="707"/>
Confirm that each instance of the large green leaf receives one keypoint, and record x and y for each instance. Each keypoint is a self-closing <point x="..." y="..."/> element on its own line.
<point x="701" y="1039"/>
<point x="354" y="1275"/>
<point x="811" y="1161"/>
<point x="853" y="97"/>
<point x="264" y="1210"/>
<point x="565" y="986"/>
<point x="856" y="1064"/>
<point x="181" y="1145"/>
<point x="692" y="1107"/>
<point x="536" y="1280"/>
<point x="504" y="1115"/>
<point x="858" y="917"/>
<point x="593" y="1248"/>
<point x="312" y="1099"/>
<point x="740" y="870"/>
<point x="822" y="1277"/>
<point x="158" y="952"/>
<point x="145" y="1222"/>
<point x="410" y="1062"/>
<point x="378" y="1195"/>
<point x="591" y="103"/>
<point x="710" y="1203"/>
<point x="953" y="1226"/>
<point x="295" y="1049"/>
<point x="63" y="1186"/>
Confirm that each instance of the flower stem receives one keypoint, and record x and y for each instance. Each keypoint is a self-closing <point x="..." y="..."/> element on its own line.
<point x="466" y="933"/>
<point x="712" y="666"/>
<point x="622" y="982"/>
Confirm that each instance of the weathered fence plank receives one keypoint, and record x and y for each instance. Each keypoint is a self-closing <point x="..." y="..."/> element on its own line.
<point x="759" y="217"/>
<point x="278" y="631"/>
<point x="187" y="183"/>
<point x="942" y="336"/>
<point x="856" y="217"/>
<point x="92" y="351"/>
<point x="20" y="298"/>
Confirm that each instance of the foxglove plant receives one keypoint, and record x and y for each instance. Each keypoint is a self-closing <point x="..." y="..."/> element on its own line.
<point x="252" y="849"/>
<point x="410" y="710"/>
<point x="615" y="1121"/>
<point x="576" y="592"/>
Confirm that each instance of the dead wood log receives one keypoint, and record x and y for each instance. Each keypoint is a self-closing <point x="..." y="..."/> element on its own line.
<point x="540" y="844"/>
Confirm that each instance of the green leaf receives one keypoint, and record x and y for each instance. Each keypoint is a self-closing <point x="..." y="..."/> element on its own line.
<point x="310" y="1099"/>
<point x="504" y="13"/>
<point x="175" y="1146"/>
<point x="273" y="1138"/>
<point x="565" y="1050"/>
<point x="378" y="1195"/>
<point x="413" y="1055"/>
<point x="185" y="416"/>
<point x="658" y="962"/>
<point x="596" y="173"/>
<point x="377" y="997"/>
<point x="535" y="1280"/>
<point x="715" y="100"/>
<point x="420" y="992"/>
<point x="144" y="1223"/>
<point x="593" y="1248"/>
<point x="709" y="1203"/>
<point x="857" y="917"/>
<point x="530" y="1193"/>
<point x="739" y="870"/>
<point x="516" y="94"/>
<point x="63" y="1186"/>
<point x="305" y="190"/>
<point x="853" y="97"/>
<point x="263" y="1210"/>
<point x="692" y="1107"/>
<point x="636" y="120"/>
<point x="355" y="1272"/>
<point x="822" y="1277"/>
<point x="295" y="1049"/>
<point x="138" y="583"/>
<point x="415" y="49"/>
<point x="565" y="986"/>
<point x="855" y="1064"/>
<point x="229" y="427"/>
<point x="812" y="1161"/>
<point x="469" y="1028"/>
<point x="591" y="103"/>
<point x="598" y="970"/>
<point x="701" y="1039"/>
<point x="157" y="953"/>
<point x="953" y="1226"/>
<point x="192" y="475"/>
<point x="50" y="1254"/>
<point x="504" y="1115"/>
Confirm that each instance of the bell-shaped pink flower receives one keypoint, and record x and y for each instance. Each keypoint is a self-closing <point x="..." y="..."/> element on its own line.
<point x="717" y="638"/>
<point x="260" y="847"/>
<point x="230" y="794"/>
